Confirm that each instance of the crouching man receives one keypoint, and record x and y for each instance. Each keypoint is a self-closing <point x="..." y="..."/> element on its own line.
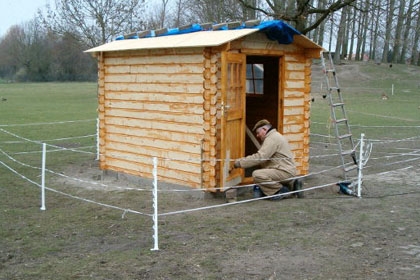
<point x="276" y="161"/>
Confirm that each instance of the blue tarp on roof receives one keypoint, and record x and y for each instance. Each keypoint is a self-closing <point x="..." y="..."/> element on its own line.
<point x="276" y="30"/>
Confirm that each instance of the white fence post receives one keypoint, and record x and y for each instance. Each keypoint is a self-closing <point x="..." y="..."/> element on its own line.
<point x="359" y="178"/>
<point x="155" y="207"/>
<point x="44" y="150"/>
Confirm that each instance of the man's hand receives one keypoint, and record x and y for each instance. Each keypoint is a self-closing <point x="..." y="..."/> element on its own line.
<point x="237" y="164"/>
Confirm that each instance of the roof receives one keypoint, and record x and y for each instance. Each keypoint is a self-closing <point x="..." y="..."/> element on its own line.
<point x="201" y="36"/>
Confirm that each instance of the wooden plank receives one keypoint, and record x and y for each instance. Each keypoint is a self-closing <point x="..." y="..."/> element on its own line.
<point x="145" y="170"/>
<point x="155" y="115"/>
<point x="295" y="75"/>
<point x="288" y="111"/>
<point x="157" y="125"/>
<point x="183" y="108"/>
<point x="164" y="59"/>
<point x="190" y="98"/>
<point x="179" y="68"/>
<point x="297" y="128"/>
<point x="294" y="102"/>
<point x="141" y="154"/>
<point x="290" y="66"/>
<point x="155" y="87"/>
<point x="293" y="119"/>
<point x="189" y="167"/>
<point x="155" y="52"/>
<point x="152" y="144"/>
<point x="294" y="93"/>
<point x="182" y="78"/>
<point x="294" y="84"/>
<point x="162" y="134"/>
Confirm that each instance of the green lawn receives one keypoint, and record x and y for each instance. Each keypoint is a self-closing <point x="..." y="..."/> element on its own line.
<point x="60" y="114"/>
<point x="367" y="111"/>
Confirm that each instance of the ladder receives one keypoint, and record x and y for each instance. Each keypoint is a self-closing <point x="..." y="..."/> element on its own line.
<point x="339" y="119"/>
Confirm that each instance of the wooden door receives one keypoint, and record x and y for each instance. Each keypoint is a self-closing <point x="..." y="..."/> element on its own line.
<point x="233" y="117"/>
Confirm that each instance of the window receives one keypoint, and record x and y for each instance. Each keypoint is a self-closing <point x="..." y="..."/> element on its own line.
<point x="255" y="78"/>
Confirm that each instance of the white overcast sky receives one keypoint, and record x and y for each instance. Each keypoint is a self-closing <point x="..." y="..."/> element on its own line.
<point x="18" y="11"/>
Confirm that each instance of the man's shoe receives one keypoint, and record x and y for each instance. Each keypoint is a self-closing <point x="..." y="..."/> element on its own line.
<point x="257" y="192"/>
<point x="281" y="191"/>
<point x="298" y="185"/>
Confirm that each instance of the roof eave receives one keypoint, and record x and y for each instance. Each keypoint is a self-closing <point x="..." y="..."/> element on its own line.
<point x="312" y="49"/>
<point x="190" y="40"/>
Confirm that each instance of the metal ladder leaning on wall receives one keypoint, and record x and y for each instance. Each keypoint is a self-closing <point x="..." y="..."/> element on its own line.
<point x="339" y="118"/>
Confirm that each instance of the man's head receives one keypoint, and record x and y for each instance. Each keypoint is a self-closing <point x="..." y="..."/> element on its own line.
<point x="261" y="128"/>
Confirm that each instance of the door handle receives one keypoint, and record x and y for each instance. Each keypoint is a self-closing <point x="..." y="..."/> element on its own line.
<point x="224" y="108"/>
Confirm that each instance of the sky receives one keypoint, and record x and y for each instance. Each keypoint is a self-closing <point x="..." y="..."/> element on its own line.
<point x="18" y="11"/>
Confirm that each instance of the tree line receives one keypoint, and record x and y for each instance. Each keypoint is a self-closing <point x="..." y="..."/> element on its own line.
<point x="50" y="47"/>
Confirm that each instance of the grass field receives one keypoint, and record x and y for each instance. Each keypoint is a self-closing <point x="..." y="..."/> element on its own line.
<point x="324" y="236"/>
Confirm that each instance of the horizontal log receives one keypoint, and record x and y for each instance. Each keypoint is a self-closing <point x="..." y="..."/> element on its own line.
<point x="146" y="144"/>
<point x="173" y="88"/>
<point x="294" y="84"/>
<point x="162" y="134"/>
<point x="161" y="97"/>
<point x="295" y="66"/>
<point x="294" y="102"/>
<point x="294" y="93"/>
<point x="184" y="108"/>
<point x="182" y="78"/>
<point x="155" y="125"/>
<point x="145" y="170"/>
<point x="189" y="167"/>
<point x="147" y="69"/>
<point x="289" y="111"/>
<point x="295" y="75"/>
<point x="293" y="129"/>
<point x="154" y="115"/>
<point x="159" y="60"/>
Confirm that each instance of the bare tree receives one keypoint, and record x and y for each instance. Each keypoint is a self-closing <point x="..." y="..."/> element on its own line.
<point x="388" y="29"/>
<point x="297" y="12"/>
<point x="407" y="28"/>
<point x="95" y="21"/>
<point x="158" y="15"/>
<point x="398" y="30"/>
<point x="340" y="35"/>
<point x="415" y="53"/>
<point x="217" y="11"/>
<point x="317" y="34"/>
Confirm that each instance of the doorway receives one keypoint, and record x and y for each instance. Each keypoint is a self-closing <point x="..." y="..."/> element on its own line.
<point x="263" y="98"/>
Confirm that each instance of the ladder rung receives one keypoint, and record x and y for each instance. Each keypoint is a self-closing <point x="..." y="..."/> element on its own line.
<point x="337" y="104"/>
<point x="344" y="136"/>
<point x="350" y="168"/>
<point x="340" y="120"/>
<point x="334" y="88"/>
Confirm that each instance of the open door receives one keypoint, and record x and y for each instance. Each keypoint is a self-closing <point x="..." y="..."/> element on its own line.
<point x="264" y="97"/>
<point x="233" y="117"/>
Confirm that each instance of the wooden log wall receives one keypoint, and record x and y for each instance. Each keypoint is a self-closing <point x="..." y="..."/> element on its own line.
<point x="211" y="99"/>
<point x="296" y="112"/>
<point x="151" y="105"/>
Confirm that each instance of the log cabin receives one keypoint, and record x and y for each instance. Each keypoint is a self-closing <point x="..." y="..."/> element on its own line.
<point x="189" y="95"/>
